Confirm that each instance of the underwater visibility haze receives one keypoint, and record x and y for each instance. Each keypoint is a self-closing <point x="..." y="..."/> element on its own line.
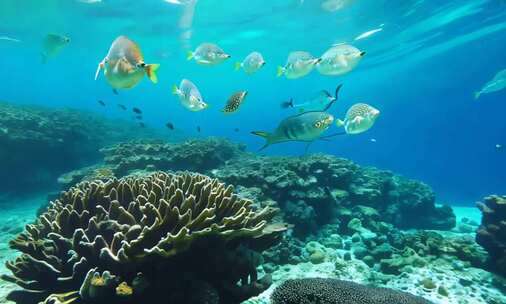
<point x="282" y="151"/>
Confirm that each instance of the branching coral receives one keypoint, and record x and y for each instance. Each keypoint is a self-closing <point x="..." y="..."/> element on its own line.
<point x="140" y="237"/>
<point x="492" y="232"/>
<point x="330" y="291"/>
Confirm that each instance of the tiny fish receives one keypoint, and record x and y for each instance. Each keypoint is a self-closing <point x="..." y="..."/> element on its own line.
<point x="139" y="117"/>
<point x="234" y="102"/>
<point x="236" y="130"/>
<point x="369" y="33"/>
<point x="251" y="64"/>
<point x="7" y="38"/>
<point x="496" y="84"/>
<point x="189" y="96"/>
<point x="307" y="127"/>
<point x="373" y="140"/>
<point x="208" y="54"/>
<point x="142" y="124"/>
<point x="339" y="60"/>
<point x="52" y="46"/>
<point x="298" y="64"/>
<point x="122" y="107"/>
<point x="322" y="102"/>
<point x="498" y="146"/>
<point x="101" y="103"/>
<point x="359" y="118"/>
<point x="124" y="65"/>
<point x="169" y="125"/>
<point x="137" y="110"/>
<point x="198" y="129"/>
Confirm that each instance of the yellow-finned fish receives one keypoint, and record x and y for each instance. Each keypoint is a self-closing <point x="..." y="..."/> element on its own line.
<point x="359" y="118"/>
<point x="306" y="127"/>
<point x="297" y="65"/>
<point x="208" y="54"/>
<point x="234" y="102"/>
<point x="251" y="64"/>
<point x="52" y="46"/>
<point x="339" y="60"/>
<point x="124" y="65"/>
<point x="189" y="96"/>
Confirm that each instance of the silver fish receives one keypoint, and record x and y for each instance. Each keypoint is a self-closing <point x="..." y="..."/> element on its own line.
<point x="52" y="46"/>
<point x="251" y="64"/>
<point x="307" y="127"/>
<point x="498" y="83"/>
<point x="297" y="65"/>
<point x="208" y="54"/>
<point x="339" y="60"/>
<point x="189" y="96"/>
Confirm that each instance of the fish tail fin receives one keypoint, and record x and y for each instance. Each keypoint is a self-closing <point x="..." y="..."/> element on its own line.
<point x="99" y="67"/>
<point x="287" y="104"/>
<point x="477" y="94"/>
<point x="237" y="66"/>
<point x="264" y="135"/>
<point x="175" y="89"/>
<point x="340" y="123"/>
<point x="317" y="60"/>
<point x="280" y="71"/>
<point x="151" y="71"/>
<point x="189" y="55"/>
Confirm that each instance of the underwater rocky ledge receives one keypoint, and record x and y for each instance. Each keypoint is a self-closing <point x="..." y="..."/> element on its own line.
<point x="241" y="224"/>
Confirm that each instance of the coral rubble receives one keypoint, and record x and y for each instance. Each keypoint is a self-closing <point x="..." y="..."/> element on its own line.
<point x="492" y="232"/>
<point x="183" y="237"/>
<point x="331" y="291"/>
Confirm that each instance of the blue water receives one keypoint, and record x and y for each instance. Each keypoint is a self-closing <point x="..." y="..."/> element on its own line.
<point x="421" y="71"/>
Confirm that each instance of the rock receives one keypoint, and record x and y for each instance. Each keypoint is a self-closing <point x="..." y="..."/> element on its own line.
<point x="317" y="257"/>
<point x="442" y="291"/>
<point x="428" y="284"/>
<point x="369" y="260"/>
<point x="347" y="256"/>
<point x="383" y="251"/>
<point x="360" y="251"/>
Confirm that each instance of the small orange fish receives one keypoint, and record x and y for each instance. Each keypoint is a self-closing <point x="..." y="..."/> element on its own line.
<point x="124" y="65"/>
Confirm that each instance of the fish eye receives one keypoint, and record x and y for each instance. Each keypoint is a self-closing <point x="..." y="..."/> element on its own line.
<point x="318" y="124"/>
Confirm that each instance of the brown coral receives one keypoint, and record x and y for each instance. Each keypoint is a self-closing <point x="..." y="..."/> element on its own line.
<point x="150" y="226"/>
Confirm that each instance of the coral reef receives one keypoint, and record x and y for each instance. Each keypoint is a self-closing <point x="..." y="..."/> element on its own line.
<point x="314" y="189"/>
<point x="193" y="155"/>
<point x="182" y="237"/>
<point x="30" y="137"/>
<point x="331" y="291"/>
<point x="492" y="232"/>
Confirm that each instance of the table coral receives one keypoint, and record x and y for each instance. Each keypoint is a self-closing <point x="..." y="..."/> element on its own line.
<point x="140" y="238"/>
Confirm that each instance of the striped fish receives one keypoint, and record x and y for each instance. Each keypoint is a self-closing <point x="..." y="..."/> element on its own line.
<point x="306" y="127"/>
<point x="234" y="102"/>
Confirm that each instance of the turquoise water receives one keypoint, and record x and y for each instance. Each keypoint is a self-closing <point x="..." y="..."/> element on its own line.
<point x="421" y="71"/>
<point x="424" y="61"/>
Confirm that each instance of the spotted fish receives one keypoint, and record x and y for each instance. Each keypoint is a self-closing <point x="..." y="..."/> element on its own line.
<point x="359" y="118"/>
<point x="306" y="127"/>
<point x="234" y="102"/>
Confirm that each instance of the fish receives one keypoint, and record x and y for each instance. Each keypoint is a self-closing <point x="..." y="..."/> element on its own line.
<point x="498" y="83"/>
<point x="373" y="140"/>
<point x="498" y="146"/>
<point x="142" y="124"/>
<point x="298" y="64"/>
<point x="334" y="5"/>
<point x="122" y="107"/>
<point x="236" y="129"/>
<point x="189" y="96"/>
<point x="322" y="102"/>
<point x="198" y="129"/>
<point x="234" y="102"/>
<point x="208" y="54"/>
<point x="124" y="65"/>
<point x="305" y="127"/>
<point x="359" y="118"/>
<point x="7" y="38"/>
<point x="170" y="125"/>
<point x="251" y="64"/>
<point x="102" y="103"/>
<point x="369" y="33"/>
<point x="339" y="59"/>
<point x="137" y="110"/>
<point x="139" y="117"/>
<point x="52" y="46"/>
